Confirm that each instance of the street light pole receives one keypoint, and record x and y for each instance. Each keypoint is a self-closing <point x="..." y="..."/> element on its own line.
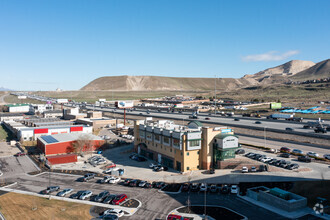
<point x="265" y="135"/>
<point x="215" y="93"/>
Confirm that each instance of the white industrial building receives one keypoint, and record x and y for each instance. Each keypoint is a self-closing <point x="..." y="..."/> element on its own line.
<point x="40" y="108"/>
<point x="25" y="133"/>
<point x="18" y="108"/>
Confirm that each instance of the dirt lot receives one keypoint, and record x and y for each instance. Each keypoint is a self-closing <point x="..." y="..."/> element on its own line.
<point x="18" y="206"/>
<point x="7" y="150"/>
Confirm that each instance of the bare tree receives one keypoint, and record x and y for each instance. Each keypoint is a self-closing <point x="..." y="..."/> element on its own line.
<point x="83" y="143"/>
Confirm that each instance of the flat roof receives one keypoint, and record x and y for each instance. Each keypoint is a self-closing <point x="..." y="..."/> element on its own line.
<point x="17" y="105"/>
<point x="52" y="127"/>
<point x="58" y="138"/>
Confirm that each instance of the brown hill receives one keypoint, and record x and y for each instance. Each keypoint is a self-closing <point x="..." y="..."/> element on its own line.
<point x="280" y="73"/>
<point x="158" y="83"/>
<point x="318" y="71"/>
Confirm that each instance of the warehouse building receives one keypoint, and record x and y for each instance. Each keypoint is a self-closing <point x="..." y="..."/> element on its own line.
<point x="11" y="116"/>
<point x="63" y="143"/>
<point x="184" y="148"/>
<point x="24" y="133"/>
<point x="15" y="108"/>
<point x="40" y="108"/>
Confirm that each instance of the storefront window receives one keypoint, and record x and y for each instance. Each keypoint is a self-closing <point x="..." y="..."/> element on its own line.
<point x="194" y="143"/>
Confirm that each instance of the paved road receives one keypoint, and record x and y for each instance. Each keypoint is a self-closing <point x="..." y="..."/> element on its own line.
<point x="277" y="144"/>
<point x="270" y="125"/>
<point x="2" y="99"/>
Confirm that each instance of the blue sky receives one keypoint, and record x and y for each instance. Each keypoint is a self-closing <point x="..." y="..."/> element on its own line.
<point x="67" y="43"/>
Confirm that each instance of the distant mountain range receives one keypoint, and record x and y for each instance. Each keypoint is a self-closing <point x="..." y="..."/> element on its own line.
<point x="4" y="89"/>
<point x="295" y="70"/>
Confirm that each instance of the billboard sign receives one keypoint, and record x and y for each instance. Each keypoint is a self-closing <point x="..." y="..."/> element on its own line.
<point x="275" y="105"/>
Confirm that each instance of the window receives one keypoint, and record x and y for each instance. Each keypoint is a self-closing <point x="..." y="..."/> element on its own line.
<point x="170" y="149"/>
<point x="176" y="142"/>
<point x="166" y="140"/>
<point x="198" y="167"/>
<point x="174" y="151"/>
<point x="197" y="152"/>
<point x="149" y="135"/>
<point x="187" y="168"/>
<point x="194" y="143"/>
<point x="181" y="153"/>
<point x="187" y="153"/>
<point x="157" y="137"/>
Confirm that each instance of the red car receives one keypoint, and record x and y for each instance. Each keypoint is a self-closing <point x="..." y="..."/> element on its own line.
<point x="176" y="217"/>
<point x="119" y="199"/>
<point x="19" y="154"/>
<point x="112" y="165"/>
<point x="285" y="150"/>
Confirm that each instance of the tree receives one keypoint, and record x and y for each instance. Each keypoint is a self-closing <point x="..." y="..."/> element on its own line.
<point x="83" y="143"/>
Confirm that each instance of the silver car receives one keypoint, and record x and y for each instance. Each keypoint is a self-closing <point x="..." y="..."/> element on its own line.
<point x="64" y="192"/>
<point x="86" y="195"/>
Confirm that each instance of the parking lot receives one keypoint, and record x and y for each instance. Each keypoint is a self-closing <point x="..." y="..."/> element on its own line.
<point x="152" y="200"/>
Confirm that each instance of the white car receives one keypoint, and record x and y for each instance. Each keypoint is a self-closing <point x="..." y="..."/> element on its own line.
<point x="86" y="195"/>
<point x="312" y="154"/>
<point x="142" y="183"/>
<point x="245" y="170"/>
<point x="266" y="159"/>
<point x="113" y="180"/>
<point x="116" y="212"/>
<point x="64" y="192"/>
<point x="326" y="156"/>
<point x="108" y="170"/>
<point x="105" y="179"/>
<point x="203" y="187"/>
<point x="234" y="189"/>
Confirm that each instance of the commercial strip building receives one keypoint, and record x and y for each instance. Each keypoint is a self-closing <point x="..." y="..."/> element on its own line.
<point x="40" y="108"/>
<point x="184" y="148"/>
<point x="24" y="108"/>
<point x="53" y="114"/>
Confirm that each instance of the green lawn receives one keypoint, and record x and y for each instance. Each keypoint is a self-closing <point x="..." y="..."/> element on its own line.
<point x="5" y="135"/>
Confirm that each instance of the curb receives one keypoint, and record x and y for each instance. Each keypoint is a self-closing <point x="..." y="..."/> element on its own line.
<point x="173" y="193"/>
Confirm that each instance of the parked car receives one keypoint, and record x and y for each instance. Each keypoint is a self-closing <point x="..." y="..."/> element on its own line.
<point x="142" y="183"/>
<point x="127" y="181"/>
<point x="279" y="162"/>
<point x="113" y="179"/>
<point x="306" y="159"/>
<point x="77" y="194"/>
<point x="265" y="159"/>
<point x="224" y="189"/>
<point x="312" y="154"/>
<point x="117" y="212"/>
<point x="50" y="189"/>
<point x="236" y="119"/>
<point x="119" y="199"/>
<point x="105" y="179"/>
<point x="253" y="169"/>
<point x="185" y="187"/>
<point x="159" y="185"/>
<point x="85" y="195"/>
<point x="109" y="199"/>
<point x="213" y="188"/>
<point x="207" y="118"/>
<point x="148" y="185"/>
<point x="261" y="157"/>
<point x="19" y="154"/>
<point x="285" y="150"/>
<point x="326" y="156"/>
<point x="245" y="170"/>
<point x="248" y="154"/>
<point x="134" y="183"/>
<point x="100" y="197"/>
<point x="285" y="164"/>
<point x="271" y="161"/>
<point x="203" y="187"/>
<point x="109" y="217"/>
<point x="292" y="166"/>
<point x="258" y="122"/>
<point x="194" y="187"/>
<point x="108" y="170"/>
<point x="240" y="151"/>
<point x="297" y="151"/>
<point x="176" y="217"/>
<point x="285" y="155"/>
<point x="64" y="192"/>
<point x="88" y="176"/>
<point x="234" y="189"/>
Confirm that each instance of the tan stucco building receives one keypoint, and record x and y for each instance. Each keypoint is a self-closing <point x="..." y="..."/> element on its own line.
<point x="184" y="148"/>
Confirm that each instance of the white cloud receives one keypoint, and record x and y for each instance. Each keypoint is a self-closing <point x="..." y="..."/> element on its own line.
<point x="270" y="56"/>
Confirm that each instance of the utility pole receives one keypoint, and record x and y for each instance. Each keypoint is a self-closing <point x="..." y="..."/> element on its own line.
<point x="205" y="205"/>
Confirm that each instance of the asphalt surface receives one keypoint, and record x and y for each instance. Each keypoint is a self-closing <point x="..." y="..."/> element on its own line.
<point x="155" y="205"/>
<point x="270" y="125"/>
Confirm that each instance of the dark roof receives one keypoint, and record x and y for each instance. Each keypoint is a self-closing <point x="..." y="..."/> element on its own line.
<point x="198" y="123"/>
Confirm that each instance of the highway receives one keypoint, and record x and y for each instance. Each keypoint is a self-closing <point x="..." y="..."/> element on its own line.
<point x="264" y="124"/>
